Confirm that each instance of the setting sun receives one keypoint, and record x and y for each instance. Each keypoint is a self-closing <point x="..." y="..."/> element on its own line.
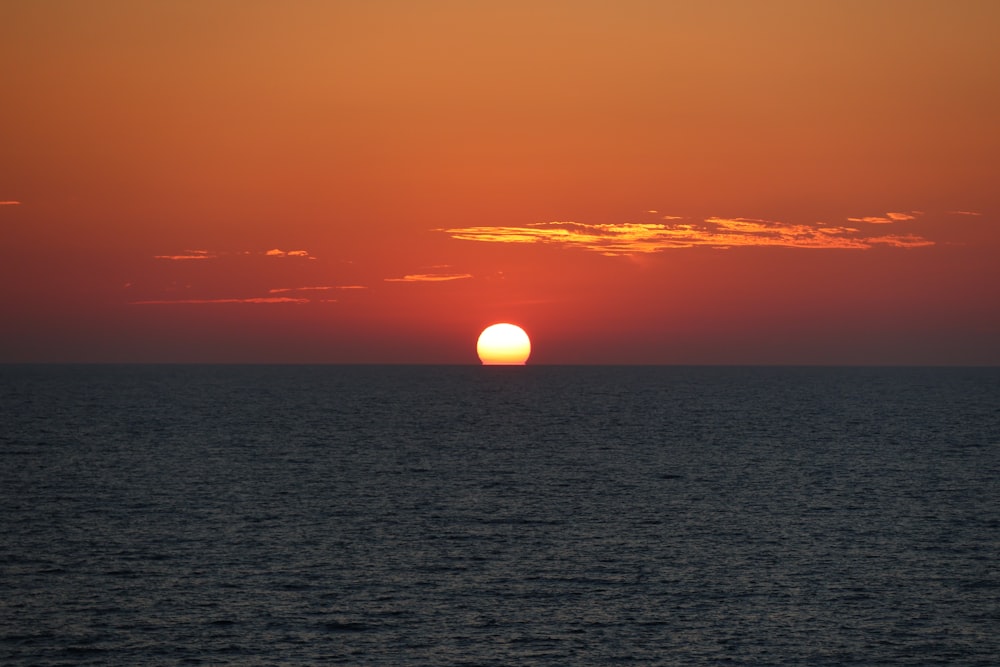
<point x="503" y="345"/>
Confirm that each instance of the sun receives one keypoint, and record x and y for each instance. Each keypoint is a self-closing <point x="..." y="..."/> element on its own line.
<point x="503" y="345"/>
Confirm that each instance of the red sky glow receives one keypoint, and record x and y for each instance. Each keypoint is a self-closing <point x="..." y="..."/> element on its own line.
<point x="376" y="181"/>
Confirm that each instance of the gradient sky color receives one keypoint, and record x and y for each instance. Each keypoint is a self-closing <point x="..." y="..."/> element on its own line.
<point x="375" y="181"/>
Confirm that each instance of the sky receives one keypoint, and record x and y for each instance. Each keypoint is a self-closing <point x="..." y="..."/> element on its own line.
<point x="376" y="181"/>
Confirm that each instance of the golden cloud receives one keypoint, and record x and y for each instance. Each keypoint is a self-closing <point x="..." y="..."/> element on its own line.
<point x="277" y="252"/>
<point x="636" y="238"/>
<point x="887" y="218"/>
<point x="429" y="277"/>
<point x="212" y="254"/>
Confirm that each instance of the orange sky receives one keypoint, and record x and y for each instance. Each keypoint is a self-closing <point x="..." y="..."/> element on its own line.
<point x="641" y="181"/>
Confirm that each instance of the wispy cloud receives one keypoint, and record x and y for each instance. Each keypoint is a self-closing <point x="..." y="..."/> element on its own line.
<point x="965" y="212"/>
<point x="252" y="300"/>
<point x="630" y="238"/>
<point x="429" y="277"/>
<point x="10" y="202"/>
<point x="888" y="218"/>
<point x="189" y="255"/>
<point x="261" y="299"/>
<point x="904" y="241"/>
<point x="320" y="288"/>
<point x="215" y="254"/>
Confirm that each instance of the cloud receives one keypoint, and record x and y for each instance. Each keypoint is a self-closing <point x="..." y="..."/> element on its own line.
<point x="908" y="241"/>
<point x="253" y="300"/>
<point x="888" y="218"/>
<point x="639" y="238"/>
<point x="259" y="299"/>
<point x="321" y="288"/>
<point x="213" y="254"/>
<point x="429" y="277"/>
<point x="277" y="252"/>
<point x="965" y="212"/>
<point x="189" y="255"/>
<point x="10" y="203"/>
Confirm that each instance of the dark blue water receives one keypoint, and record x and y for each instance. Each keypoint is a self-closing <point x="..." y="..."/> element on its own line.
<point x="499" y="516"/>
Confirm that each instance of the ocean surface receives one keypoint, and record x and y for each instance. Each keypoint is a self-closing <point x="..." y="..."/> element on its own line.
<point x="466" y="515"/>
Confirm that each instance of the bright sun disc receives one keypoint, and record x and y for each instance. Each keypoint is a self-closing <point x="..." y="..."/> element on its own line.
<point x="503" y="345"/>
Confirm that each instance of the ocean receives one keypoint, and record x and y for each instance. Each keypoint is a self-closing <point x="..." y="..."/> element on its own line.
<point x="468" y="515"/>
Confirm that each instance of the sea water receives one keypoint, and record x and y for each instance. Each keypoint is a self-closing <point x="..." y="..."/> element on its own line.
<point x="366" y="515"/>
